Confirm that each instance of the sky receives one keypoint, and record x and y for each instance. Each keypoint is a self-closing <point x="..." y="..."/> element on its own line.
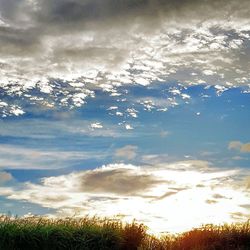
<point x="127" y="109"/>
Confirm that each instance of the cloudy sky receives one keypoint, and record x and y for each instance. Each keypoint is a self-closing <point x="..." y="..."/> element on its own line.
<point x="127" y="109"/>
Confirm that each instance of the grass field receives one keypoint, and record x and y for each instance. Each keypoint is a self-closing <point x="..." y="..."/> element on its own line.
<point x="96" y="234"/>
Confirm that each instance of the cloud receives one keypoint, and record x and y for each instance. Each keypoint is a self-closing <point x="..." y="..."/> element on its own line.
<point x="92" y="45"/>
<point x="57" y="127"/>
<point x="149" y="194"/>
<point x="96" y="125"/>
<point x="128" y="127"/>
<point x="118" y="181"/>
<point x="5" y="177"/>
<point x="234" y="145"/>
<point x="245" y="148"/>
<point x="239" y="146"/>
<point x="126" y="152"/>
<point x="247" y="182"/>
<point x="17" y="157"/>
<point x="132" y="112"/>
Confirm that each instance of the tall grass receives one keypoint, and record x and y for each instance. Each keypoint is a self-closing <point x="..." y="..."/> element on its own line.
<point x="208" y="237"/>
<point x="36" y="233"/>
<point x="70" y="234"/>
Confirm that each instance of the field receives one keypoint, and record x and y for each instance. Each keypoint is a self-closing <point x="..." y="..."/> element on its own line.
<point x="95" y="234"/>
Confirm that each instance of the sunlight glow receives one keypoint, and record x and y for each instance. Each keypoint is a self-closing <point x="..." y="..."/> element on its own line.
<point x="163" y="198"/>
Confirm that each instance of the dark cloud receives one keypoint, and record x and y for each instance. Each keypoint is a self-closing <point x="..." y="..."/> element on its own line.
<point x="167" y="194"/>
<point x="123" y="41"/>
<point x="211" y="201"/>
<point x="73" y="11"/>
<point x="118" y="181"/>
<point x="219" y="196"/>
<point x="239" y="216"/>
<point x="46" y="16"/>
<point x="55" y="199"/>
<point x="50" y="198"/>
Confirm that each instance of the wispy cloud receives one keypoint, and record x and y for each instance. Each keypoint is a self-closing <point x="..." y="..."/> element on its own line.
<point x="128" y="152"/>
<point x="21" y="157"/>
<point x="50" y="129"/>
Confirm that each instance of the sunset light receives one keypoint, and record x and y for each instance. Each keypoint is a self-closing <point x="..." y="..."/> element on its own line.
<point x="131" y="110"/>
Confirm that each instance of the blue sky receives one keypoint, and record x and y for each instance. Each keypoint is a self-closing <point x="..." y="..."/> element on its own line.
<point x="55" y="142"/>
<point x="99" y="111"/>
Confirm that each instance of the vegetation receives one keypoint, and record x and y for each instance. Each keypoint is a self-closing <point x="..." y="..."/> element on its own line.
<point x="209" y="237"/>
<point x="35" y="233"/>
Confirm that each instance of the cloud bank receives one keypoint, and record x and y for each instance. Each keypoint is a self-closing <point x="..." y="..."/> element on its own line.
<point x="152" y="195"/>
<point x="66" y="50"/>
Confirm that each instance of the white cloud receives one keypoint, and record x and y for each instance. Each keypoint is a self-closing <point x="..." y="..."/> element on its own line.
<point x="128" y="127"/>
<point x="79" y="98"/>
<point x="220" y="89"/>
<point x="118" y="113"/>
<point x="149" y="194"/>
<point x="112" y="108"/>
<point x="10" y="110"/>
<point x="132" y="112"/>
<point x="96" y="125"/>
<point x="17" y="111"/>
<point x="208" y="72"/>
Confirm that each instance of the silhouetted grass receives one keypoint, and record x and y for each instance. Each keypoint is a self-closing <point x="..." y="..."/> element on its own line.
<point x="93" y="234"/>
<point x="208" y="237"/>
<point x="36" y="233"/>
